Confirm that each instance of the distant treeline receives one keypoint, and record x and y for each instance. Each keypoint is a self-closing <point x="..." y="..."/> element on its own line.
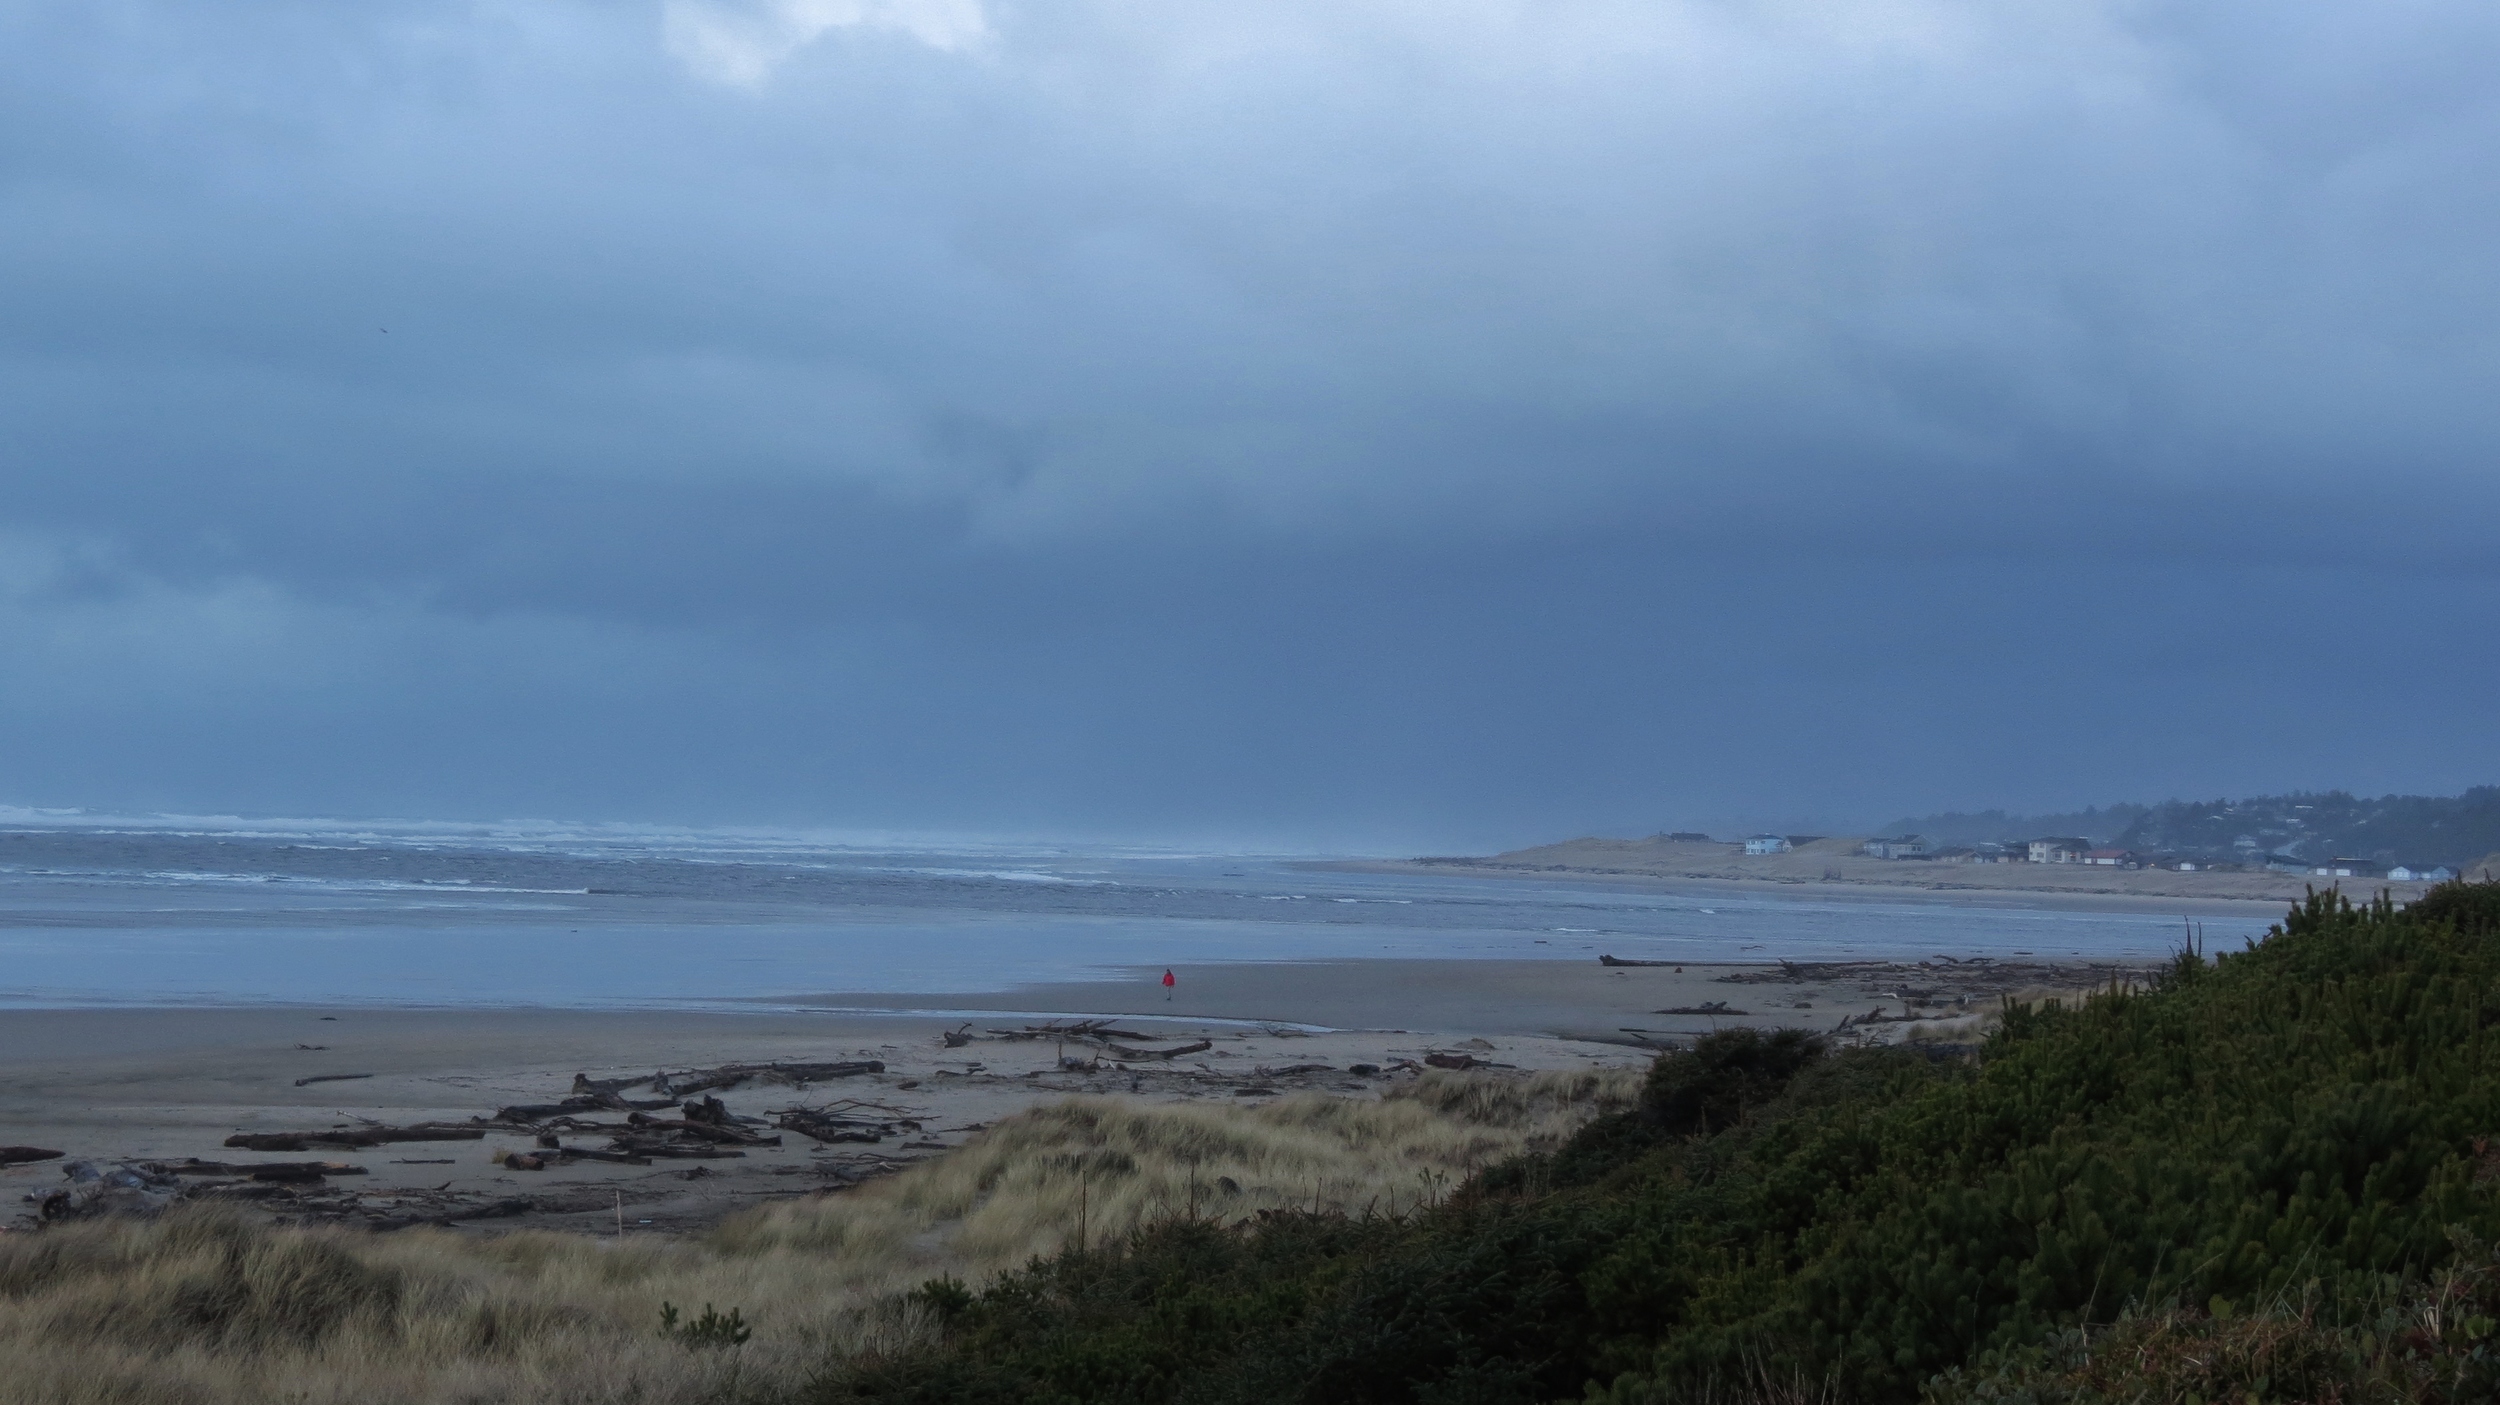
<point x="2417" y="829"/>
<point x="2269" y="1177"/>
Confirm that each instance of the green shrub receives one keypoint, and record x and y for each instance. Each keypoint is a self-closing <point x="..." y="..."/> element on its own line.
<point x="1724" y="1073"/>
<point x="711" y="1332"/>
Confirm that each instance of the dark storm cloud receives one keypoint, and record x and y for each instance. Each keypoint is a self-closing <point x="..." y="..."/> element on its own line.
<point x="1326" y="421"/>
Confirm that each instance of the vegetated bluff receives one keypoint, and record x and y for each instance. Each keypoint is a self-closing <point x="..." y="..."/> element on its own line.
<point x="2265" y="1178"/>
<point x="2458" y="830"/>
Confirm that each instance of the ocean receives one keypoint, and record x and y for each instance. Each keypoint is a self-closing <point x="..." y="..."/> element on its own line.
<point x="101" y="911"/>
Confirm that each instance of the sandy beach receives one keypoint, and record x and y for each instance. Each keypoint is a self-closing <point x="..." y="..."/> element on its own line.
<point x="163" y="1085"/>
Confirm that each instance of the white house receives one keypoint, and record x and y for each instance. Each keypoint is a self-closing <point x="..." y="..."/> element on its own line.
<point x="2060" y="850"/>
<point x="1768" y="844"/>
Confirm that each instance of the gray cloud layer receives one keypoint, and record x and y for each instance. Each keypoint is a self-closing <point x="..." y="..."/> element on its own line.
<point x="1323" y="421"/>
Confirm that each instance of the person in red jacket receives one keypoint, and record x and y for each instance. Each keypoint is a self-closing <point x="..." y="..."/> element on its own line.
<point x="1168" y="983"/>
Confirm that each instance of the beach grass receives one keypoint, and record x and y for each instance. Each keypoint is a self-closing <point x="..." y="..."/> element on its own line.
<point x="211" y="1307"/>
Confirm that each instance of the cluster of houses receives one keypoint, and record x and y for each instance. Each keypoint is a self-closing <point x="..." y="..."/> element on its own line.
<point x="2069" y="849"/>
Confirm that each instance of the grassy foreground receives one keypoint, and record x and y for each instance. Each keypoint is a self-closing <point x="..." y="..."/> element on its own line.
<point x="219" y="1310"/>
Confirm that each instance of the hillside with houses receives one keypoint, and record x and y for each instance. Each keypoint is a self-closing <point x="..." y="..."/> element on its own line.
<point x="2268" y="847"/>
<point x="2287" y="833"/>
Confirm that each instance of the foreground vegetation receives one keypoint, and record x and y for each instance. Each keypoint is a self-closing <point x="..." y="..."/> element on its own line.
<point x="2272" y="1176"/>
<point x="219" y="1310"/>
<point x="2266" y="1178"/>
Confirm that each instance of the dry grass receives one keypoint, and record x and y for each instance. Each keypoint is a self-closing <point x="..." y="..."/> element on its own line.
<point x="208" y="1309"/>
<point x="1985" y="1016"/>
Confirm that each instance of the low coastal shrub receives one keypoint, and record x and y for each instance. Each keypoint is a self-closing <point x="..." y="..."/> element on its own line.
<point x="2302" y="1125"/>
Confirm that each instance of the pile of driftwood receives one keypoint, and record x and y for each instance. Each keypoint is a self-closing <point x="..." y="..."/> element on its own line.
<point x="704" y="1080"/>
<point x="704" y="1128"/>
<point x="637" y="1132"/>
<point x="1097" y="1033"/>
<point x="147" y="1187"/>
<point x="850" y="1120"/>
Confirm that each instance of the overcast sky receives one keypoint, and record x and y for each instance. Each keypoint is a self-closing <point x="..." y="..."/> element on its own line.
<point x="1327" y="422"/>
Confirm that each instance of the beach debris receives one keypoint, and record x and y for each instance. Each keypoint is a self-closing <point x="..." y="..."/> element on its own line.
<point x="1292" y="1070"/>
<point x="528" y="1113"/>
<point x="1626" y="961"/>
<point x="586" y="1086"/>
<point x="1455" y="1061"/>
<point x="850" y="1120"/>
<point x="1141" y="1055"/>
<point x="330" y="1078"/>
<point x="96" y="1190"/>
<point x="701" y="1080"/>
<point x="279" y="1171"/>
<point x="1707" y="1007"/>
<point x="351" y="1137"/>
<point x="958" y="1037"/>
<point x="21" y="1155"/>
<point x="584" y="1153"/>
<point x="1082" y="1031"/>
<point x="1104" y="1035"/>
<point x="707" y="1121"/>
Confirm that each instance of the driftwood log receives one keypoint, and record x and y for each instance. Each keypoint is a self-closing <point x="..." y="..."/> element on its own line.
<point x="703" y="1080"/>
<point x="585" y="1085"/>
<point x="659" y="1150"/>
<point x="256" y="1170"/>
<point x="526" y="1113"/>
<point x="330" y="1078"/>
<point x="713" y="1132"/>
<point x="1621" y="961"/>
<point x="583" y="1153"/>
<point x="19" y="1155"/>
<point x="351" y="1137"/>
<point x="1123" y="1051"/>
